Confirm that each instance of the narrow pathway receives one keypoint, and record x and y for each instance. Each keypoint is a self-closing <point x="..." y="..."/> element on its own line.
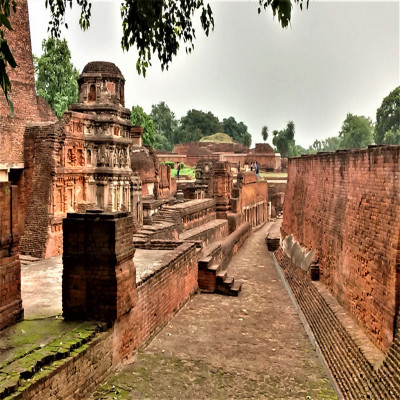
<point x="218" y="347"/>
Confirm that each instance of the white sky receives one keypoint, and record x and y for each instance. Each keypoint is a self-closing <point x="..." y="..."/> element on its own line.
<point x="337" y="57"/>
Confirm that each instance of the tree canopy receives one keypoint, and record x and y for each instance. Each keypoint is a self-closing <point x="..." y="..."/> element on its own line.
<point x="387" y="128"/>
<point x="238" y="131"/>
<point x="264" y="133"/>
<point x="328" y="144"/>
<point x="56" y="77"/>
<point x="157" y="26"/>
<point x="356" y="132"/>
<point x="196" y="124"/>
<point x="284" y="140"/>
<point x="166" y="126"/>
<point x="140" y="118"/>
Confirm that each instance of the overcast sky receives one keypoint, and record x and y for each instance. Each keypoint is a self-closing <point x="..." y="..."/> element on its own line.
<point x="337" y="57"/>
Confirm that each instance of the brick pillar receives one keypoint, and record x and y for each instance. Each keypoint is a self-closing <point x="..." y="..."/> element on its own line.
<point x="222" y="188"/>
<point x="99" y="277"/>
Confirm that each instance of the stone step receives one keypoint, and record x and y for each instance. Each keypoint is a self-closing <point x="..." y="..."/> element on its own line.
<point x="214" y="268"/>
<point x="205" y="262"/>
<point x="235" y="289"/>
<point x="221" y="276"/>
<point x="228" y="281"/>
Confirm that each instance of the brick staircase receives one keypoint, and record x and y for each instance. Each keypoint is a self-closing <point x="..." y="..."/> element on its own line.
<point x="212" y="278"/>
<point x="355" y="376"/>
<point x="169" y="215"/>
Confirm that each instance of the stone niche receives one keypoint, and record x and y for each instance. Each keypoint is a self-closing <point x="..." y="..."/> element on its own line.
<point x="81" y="162"/>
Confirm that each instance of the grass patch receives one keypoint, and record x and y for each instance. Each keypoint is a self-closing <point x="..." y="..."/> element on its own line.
<point x="190" y="171"/>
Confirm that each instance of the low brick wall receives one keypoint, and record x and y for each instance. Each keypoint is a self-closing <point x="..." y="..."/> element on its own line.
<point x="77" y="376"/>
<point x="158" y="298"/>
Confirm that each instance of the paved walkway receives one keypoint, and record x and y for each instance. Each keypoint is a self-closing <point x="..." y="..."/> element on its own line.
<point x="219" y="347"/>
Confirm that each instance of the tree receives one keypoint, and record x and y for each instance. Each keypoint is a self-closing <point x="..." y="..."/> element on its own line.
<point x="162" y="143"/>
<point x="387" y="129"/>
<point x="237" y="131"/>
<point x="356" y="132"/>
<point x="165" y="122"/>
<point x="316" y="146"/>
<point x="140" y="118"/>
<point x="284" y="141"/>
<point x="156" y="26"/>
<point x="331" y="144"/>
<point x="56" y="77"/>
<point x="264" y="133"/>
<point x="196" y="124"/>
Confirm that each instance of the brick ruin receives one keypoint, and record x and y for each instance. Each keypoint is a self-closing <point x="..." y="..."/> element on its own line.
<point x="82" y="161"/>
<point x="27" y="107"/>
<point x="234" y="153"/>
<point x="157" y="185"/>
<point x="345" y="208"/>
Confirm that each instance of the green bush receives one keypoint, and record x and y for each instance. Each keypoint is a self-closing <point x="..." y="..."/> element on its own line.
<point x="170" y="163"/>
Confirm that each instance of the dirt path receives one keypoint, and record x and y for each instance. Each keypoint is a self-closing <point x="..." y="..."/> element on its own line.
<point x="219" y="347"/>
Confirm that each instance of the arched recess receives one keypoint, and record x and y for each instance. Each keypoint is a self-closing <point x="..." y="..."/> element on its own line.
<point x="92" y="94"/>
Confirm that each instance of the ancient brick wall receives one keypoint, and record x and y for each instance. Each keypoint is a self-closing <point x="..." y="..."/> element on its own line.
<point x="263" y="148"/>
<point x="42" y="143"/>
<point x="23" y="92"/>
<point x="10" y="269"/>
<point x="159" y="296"/>
<point x="163" y="157"/>
<point x="345" y="206"/>
<point x="270" y="162"/>
<point x="250" y="198"/>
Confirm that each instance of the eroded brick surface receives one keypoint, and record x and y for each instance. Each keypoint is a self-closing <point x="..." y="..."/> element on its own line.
<point x="345" y="206"/>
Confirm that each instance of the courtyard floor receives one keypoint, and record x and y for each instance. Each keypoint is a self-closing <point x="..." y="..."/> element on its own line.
<point x="218" y="347"/>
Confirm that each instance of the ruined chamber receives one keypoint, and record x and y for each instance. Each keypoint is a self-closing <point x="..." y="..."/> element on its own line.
<point x="82" y="161"/>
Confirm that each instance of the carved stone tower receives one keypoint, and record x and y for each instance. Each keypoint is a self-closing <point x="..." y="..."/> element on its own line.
<point x="107" y="132"/>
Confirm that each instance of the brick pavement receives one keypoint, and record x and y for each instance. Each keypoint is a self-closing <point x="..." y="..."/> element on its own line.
<point x="253" y="346"/>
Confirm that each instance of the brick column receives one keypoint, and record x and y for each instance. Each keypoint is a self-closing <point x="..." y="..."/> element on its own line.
<point x="222" y="188"/>
<point x="11" y="310"/>
<point x="99" y="277"/>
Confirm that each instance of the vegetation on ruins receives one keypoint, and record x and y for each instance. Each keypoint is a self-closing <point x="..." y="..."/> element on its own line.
<point x="238" y="131"/>
<point x="158" y="26"/>
<point x="356" y="132"/>
<point x="387" y="130"/>
<point x="140" y="118"/>
<point x="192" y="127"/>
<point x="264" y="133"/>
<point x="218" y="137"/>
<point x="56" y="77"/>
